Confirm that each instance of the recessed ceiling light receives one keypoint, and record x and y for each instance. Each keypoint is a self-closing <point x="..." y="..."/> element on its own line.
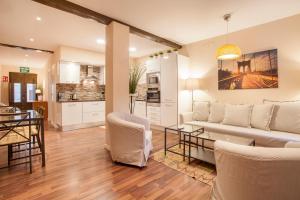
<point x="100" y="41"/>
<point x="38" y="18"/>
<point x="132" y="49"/>
<point x="26" y="55"/>
<point x="38" y="51"/>
<point x="31" y="39"/>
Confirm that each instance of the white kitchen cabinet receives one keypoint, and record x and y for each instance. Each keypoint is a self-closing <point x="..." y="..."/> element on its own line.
<point x="71" y="113"/>
<point x="102" y="76"/>
<point x="169" y="79"/>
<point x="143" y="79"/>
<point x="168" y="114"/>
<point x="140" y="108"/>
<point x="153" y="114"/>
<point x="153" y="65"/>
<point x="69" y="72"/>
<point x="93" y="111"/>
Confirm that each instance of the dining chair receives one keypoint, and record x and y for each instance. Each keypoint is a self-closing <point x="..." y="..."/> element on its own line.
<point x="36" y="128"/>
<point x="18" y="132"/>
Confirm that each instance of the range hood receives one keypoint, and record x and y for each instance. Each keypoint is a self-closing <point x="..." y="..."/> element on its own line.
<point x="90" y="73"/>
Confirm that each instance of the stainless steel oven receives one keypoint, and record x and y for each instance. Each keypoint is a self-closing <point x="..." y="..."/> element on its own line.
<point x="153" y="80"/>
<point x="153" y="95"/>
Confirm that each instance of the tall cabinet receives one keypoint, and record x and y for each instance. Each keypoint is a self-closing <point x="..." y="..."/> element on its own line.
<point x="166" y="113"/>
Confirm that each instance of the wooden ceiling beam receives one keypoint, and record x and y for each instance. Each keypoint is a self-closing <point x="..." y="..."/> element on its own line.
<point x="25" y="48"/>
<point x="81" y="11"/>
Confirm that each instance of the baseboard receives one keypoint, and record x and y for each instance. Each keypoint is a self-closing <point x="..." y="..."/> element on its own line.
<point x="80" y="126"/>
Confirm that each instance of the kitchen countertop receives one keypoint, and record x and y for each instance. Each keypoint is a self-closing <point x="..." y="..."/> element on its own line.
<point x="69" y="101"/>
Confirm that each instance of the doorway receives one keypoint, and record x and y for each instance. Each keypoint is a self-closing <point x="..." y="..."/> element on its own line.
<point x="22" y="88"/>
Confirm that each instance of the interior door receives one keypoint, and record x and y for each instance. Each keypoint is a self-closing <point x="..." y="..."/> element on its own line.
<point x="22" y="89"/>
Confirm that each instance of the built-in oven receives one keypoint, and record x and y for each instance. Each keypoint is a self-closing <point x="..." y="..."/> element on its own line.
<point x="153" y="80"/>
<point x="153" y="95"/>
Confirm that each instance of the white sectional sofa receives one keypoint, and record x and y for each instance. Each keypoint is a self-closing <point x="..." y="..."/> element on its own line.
<point x="271" y="124"/>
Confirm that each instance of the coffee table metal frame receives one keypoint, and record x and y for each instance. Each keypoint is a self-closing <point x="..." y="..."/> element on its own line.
<point x="180" y="131"/>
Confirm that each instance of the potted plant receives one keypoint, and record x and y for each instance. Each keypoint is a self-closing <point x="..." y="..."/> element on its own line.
<point x="135" y="74"/>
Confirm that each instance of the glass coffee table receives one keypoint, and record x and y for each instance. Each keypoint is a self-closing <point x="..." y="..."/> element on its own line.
<point x="200" y="145"/>
<point x="181" y="130"/>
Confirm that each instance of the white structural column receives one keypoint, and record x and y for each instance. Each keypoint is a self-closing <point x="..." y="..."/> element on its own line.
<point x="116" y="71"/>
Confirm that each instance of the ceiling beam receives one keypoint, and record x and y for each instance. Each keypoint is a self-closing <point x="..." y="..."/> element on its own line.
<point x="78" y="10"/>
<point x="25" y="48"/>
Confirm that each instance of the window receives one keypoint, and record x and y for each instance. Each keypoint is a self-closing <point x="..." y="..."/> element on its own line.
<point x="17" y="92"/>
<point x="30" y="92"/>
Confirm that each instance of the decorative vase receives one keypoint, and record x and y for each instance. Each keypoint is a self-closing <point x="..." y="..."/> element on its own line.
<point x="132" y="102"/>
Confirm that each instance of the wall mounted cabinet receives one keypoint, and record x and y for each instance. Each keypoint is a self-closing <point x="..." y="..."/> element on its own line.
<point x="69" y="72"/>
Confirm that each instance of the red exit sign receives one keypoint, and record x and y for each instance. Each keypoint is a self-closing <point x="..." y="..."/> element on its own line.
<point x="4" y="79"/>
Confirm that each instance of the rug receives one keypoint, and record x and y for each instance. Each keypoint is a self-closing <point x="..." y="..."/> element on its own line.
<point x="199" y="170"/>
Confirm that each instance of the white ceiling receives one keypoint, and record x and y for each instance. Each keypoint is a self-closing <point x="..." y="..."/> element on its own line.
<point x="180" y="21"/>
<point x="20" y="57"/>
<point x="18" y="24"/>
<point x="187" y="21"/>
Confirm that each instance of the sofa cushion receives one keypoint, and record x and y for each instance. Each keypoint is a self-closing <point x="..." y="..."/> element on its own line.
<point x="286" y="116"/>
<point x="261" y="116"/>
<point x="237" y="115"/>
<point x="201" y="110"/>
<point x="217" y="111"/>
<point x="262" y="137"/>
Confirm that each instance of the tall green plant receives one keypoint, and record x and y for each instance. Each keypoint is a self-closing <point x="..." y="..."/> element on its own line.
<point x="135" y="74"/>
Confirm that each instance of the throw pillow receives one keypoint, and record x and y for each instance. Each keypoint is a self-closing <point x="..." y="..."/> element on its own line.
<point x="201" y="111"/>
<point x="261" y="116"/>
<point x="286" y="116"/>
<point x="237" y="115"/>
<point x="216" y="114"/>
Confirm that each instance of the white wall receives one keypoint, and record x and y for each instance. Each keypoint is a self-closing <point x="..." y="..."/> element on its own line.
<point x="4" y="71"/>
<point x="81" y="55"/>
<point x="282" y="34"/>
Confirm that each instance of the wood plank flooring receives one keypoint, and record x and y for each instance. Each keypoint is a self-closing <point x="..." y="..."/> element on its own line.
<point x="78" y="167"/>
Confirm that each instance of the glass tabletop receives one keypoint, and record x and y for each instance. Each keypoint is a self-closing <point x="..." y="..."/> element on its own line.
<point x="185" y="128"/>
<point x="10" y="117"/>
<point x="212" y="136"/>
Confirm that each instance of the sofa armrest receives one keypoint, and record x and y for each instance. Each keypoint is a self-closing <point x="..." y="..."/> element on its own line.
<point x="186" y="117"/>
<point x="292" y="145"/>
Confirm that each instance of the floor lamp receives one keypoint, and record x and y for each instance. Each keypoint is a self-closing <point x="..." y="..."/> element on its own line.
<point x="192" y="84"/>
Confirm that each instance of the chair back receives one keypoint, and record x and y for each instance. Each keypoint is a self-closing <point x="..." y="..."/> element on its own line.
<point x="248" y="173"/>
<point x="15" y="128"/>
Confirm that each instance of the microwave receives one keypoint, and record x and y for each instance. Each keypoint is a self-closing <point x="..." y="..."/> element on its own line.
<point x="153" y="79"/>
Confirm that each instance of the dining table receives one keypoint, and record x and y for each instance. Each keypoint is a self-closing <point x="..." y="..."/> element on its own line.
<point x="35" y="118"/>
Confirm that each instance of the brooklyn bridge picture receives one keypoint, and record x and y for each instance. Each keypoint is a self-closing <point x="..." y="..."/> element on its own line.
<point x="250" y="71"/>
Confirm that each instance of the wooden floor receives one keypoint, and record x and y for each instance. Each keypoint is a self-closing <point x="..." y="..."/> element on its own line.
<point x="78" y="167"/>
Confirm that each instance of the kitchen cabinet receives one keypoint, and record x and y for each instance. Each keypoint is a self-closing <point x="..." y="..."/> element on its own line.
<point x="168" y="114"/>
<point x="93" y="111"/>
<point x="153" y="65"/>
<point x="69" y="72"/>
<point x="102" y="76"/>
<point x="169" y="79"/>
<point x="140" y="108"/>
<point x="71" y="113"/>
<point x="74" y="115"/>
<point x="153" y="114"/>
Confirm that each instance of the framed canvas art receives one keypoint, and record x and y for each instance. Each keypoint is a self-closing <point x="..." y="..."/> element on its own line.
<point x="251" y="71"/>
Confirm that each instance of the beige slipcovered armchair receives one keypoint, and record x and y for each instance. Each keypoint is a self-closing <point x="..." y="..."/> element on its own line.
<point x="130" y="138"/>
<point x="248" y="173"/>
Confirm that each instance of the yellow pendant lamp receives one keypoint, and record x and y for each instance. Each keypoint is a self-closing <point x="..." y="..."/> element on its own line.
<point x="228" y="51"/>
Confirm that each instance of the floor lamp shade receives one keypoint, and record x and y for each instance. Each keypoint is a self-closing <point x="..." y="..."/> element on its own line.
<point x="192" y="84"/>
